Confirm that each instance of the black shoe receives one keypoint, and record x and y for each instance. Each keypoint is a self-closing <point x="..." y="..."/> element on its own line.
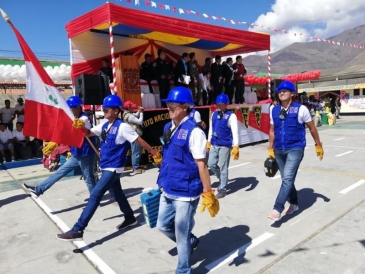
<point x="127" y="222"/>
<point x="31" y="190"/>
<point x="71" y="236"/>
<point x="194" y="245"/>
<point x="221" y="194"/>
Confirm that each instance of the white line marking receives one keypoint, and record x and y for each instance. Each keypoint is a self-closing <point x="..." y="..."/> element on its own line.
<point x="339" y="139"/>
<point x="342" y="154"/>
<point x="295" y="222"/>
<point x="306" y="148"/>
<point x="351" y="187"/>
<point x="225" y="259"/>
<point x="239" y="165"/>
<point x="92" y="257"/>
<point x="343" y="147"/>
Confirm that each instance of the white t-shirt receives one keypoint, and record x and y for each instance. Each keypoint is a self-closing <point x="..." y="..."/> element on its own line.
<point x="7" y="114"/>
<point x="5" y="136"/>
<point x="197" y="117"/>
<point x="20" y="117"/>
<point x="19" y="135"/>
<point x="232" y="123"/>
<point x="125" y="134"/>
<point x="197" y="147"/>
<point x="303" y="115"/>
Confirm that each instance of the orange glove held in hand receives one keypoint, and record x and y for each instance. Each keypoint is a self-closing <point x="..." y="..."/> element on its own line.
<point x="208" y="145"/>
<point x="319" y="151"/>
<point x="49" y="148"/>
<point x="210" y="202"/>
<point x="78" y="123"/>
<point x="157" y="159"/>
<point x="235" y="153"/>
<point x="271" y="153"/>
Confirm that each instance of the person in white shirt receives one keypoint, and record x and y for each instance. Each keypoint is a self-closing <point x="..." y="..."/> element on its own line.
<point x="135" y="120"/>
<point x="6" y="142"/>
<point x="7" y="115"/>
<point x="21" y="141"/>
<point x="206" y="86"/>
<point x="222" y="137"/>
<point x="19" y="110"/>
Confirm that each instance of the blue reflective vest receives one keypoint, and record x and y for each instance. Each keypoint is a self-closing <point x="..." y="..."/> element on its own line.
<point x="85" y="149"/>
<point x="221" y="132"/>
<point x="289" y="133"/>
<point x="179" y="173"/>
<point x="113" y="155"/>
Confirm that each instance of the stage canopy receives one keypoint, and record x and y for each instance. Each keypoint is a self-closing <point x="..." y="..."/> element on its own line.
<point x="141" y="32"/>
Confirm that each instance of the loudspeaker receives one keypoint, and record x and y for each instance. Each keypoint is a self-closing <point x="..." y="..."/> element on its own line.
<point x="274" y="84"/>
<point x="89" y="88"/>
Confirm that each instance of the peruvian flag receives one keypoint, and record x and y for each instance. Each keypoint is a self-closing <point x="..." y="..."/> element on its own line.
<point x="47" y="115"/>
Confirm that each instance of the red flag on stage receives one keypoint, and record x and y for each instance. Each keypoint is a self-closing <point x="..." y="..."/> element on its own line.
<point x="47" y="115"/>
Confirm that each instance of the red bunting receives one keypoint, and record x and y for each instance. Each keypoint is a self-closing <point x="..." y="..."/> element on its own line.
<point x="129" y="1"/>
<point x="147" y="2"/>
<point x="174" y="9"/>
<point x="161" y="6"/>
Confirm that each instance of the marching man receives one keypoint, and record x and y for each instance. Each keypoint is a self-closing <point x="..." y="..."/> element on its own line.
<point x="222" y="137"/>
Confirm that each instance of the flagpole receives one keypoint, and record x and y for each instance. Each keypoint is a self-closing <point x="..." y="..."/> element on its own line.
<point x="92" y="145"/>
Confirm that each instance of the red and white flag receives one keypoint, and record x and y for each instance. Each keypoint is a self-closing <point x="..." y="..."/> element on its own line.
<point x="46" y="114"/>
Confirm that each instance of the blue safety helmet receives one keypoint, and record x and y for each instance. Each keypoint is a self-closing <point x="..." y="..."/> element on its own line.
<point x="112" y="101"/>
<point x="180" y="95"/>
<point x="74" y="101"/>
<point x="222" y="99"/>
<point x="286" y="85"/>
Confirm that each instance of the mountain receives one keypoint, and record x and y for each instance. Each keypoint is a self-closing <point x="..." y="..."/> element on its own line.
<point x="315" y="55"/>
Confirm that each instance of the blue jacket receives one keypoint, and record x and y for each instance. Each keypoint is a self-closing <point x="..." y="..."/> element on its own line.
<point x="179" y="173"/>
<point x="113" y="155"/>
<point x="289" y="133"/>
<point x="85" y="149"/>
<point x="221" y="132"/>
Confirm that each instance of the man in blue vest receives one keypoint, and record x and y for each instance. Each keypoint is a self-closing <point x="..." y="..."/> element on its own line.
<point x="183" y="177"/>
<point x="115" y="135"/>
<point x="287" y="143"/>
<point x="222" y="138"/>
<point x="83" y="157"/>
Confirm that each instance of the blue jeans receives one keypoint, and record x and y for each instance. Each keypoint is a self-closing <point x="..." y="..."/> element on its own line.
<point x="85" y="163"/>
<point x="136" y="155"/>
<point x="288" y="162"/>
<point x="218" y="162"/>
<point x="108" y="181"/>
<point x="176" y="221"/>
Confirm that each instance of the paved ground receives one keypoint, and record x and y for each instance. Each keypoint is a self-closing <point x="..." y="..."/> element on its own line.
<point x="324" y="236"/>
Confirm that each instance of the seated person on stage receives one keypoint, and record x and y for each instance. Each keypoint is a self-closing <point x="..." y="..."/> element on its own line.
<point x="6" y="142"/>
<point x="22" y="141"/>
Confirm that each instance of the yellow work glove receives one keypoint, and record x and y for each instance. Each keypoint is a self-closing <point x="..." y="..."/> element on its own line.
<point x="68" y="155"/>
<point x="78" y="123"/>
<point x="319" y="151"/>
<point x="271" y="153"/>
<point x="211" y="202"/>
<point x="49" y="148"/>
<point x="157" y="159"/>
<point x="208" y="145"/>
<point x="235" y="153"/>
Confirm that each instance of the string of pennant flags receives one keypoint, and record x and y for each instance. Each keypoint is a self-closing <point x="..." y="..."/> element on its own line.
<point x="161" y="6"/>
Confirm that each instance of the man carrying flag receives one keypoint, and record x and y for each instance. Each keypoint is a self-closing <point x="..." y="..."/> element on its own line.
<point x="83" y="157"/>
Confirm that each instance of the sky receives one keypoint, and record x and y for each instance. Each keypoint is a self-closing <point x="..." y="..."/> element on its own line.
<point x="42" y="22"/>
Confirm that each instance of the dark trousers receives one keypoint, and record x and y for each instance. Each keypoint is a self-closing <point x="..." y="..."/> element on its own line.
<point x="164" y="88"/>
<point x="10" y="126"/>
<point x="229" y="89"/>
<point x="240" y="89"/>
<point x="217" y="89"/>
<point x="204" y="96"/>
<point x="18" y="146"/>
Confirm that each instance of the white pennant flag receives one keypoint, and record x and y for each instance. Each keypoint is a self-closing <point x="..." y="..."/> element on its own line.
<point x="233" y="22"/>
<point x="205" y="15"/>
<point x="215" y="18"/>
<point x="181" y="11"/>
<point x="193" y="12"/>
<point x="167" y="7"/>
<point x="153" y="4"/>
<point x="224" y="19"/>
<point x="136" y="2"/>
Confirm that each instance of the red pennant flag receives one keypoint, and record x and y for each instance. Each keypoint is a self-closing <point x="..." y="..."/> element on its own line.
<point x="188" y="11"/>
<point x="219" y="18"/>
<point x="129" y="1"/>
<point x="161" y="6"/>
<point x="239" y="115"/>
<point x="147" y="2"/>
<point x="47" y="115"/>
<point x="197" y="14"/>
<point x="174" y="9"/>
